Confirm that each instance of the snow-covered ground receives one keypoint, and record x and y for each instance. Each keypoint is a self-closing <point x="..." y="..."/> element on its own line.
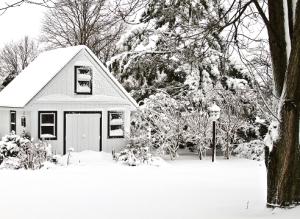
<point x="94" y="186"/>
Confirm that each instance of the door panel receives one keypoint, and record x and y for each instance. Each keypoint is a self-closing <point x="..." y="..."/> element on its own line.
<point x="83" y="131"/>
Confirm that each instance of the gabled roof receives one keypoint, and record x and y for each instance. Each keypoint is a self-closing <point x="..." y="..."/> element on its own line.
<point x="114" y="80"/>
<point x="41" y="71"/>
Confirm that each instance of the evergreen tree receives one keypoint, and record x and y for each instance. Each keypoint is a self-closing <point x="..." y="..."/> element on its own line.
<point x="172" y="41"/>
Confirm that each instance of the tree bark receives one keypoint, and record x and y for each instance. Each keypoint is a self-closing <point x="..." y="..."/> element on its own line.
<point x="277" y="43"/>
<point x="283" y="164"/>
<point x="284" y="161"/>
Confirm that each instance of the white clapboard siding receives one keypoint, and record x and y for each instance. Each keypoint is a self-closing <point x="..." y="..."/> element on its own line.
<point x="4" y="122"/>
<point x="63" y="83"/>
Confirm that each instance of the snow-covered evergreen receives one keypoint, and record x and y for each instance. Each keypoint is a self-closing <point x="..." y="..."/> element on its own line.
<point x="20" y="152"/>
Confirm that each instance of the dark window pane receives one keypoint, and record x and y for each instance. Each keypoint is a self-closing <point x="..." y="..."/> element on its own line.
<point x="47" y="130"/>
<point x="114" y="127"/>
<point x="47" y="118"/>
<point x="13" y="127"/>
<point x="116" y="131"/>
<point x="116" y="116"/>
<point x="84" y="71"/>
<point x="84" y="83"/>
<point x="13" y="117"/>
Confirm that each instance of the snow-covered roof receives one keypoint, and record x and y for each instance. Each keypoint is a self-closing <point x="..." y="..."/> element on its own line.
<point x="40" y="72"/>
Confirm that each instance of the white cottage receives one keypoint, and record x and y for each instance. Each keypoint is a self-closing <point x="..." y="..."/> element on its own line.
<point x="69" y="98"/>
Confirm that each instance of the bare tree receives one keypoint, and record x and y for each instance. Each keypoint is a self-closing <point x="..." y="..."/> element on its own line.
<point x="82" y="22"/>
<point x="282" y="20"/>
<point x="16" y="56"/>
<point x="4" y="6"/>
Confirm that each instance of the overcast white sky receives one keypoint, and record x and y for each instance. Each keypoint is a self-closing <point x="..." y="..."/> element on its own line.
<point x="17" y="22"/>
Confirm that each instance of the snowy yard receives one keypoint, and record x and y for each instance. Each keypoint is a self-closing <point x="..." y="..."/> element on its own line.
<point x="97" y="187"/>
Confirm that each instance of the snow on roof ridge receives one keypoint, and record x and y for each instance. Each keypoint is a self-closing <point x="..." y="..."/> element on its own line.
<point x="36" y="75"/>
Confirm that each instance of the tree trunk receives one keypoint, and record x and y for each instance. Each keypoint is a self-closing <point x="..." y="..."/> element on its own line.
<point x="277" y="43"/>
<point x="213" y="156"/>
<point x="227" y="147"/>
<point x="200" y="153"/>
<point x="283" y="164"/>
<point x="284" y="161"/>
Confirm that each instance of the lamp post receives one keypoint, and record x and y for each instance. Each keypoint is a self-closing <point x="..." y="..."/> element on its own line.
<point x="214" y="114"/>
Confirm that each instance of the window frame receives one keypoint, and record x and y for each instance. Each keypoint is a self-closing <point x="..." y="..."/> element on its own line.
<point x="10" y="121"/>
<point x="40" y="113"/>
<point x="76" y="80"/>
<point x="109" y="125"/>
<point x="23" y="121"/>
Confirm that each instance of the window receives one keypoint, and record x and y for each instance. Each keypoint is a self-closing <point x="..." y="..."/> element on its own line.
<point x="83" y="80"/>
<point x="23" y="121"/>
<point x="48" y="125"/>
<point x="115" y="124"/>
<point x="13" y="120"/>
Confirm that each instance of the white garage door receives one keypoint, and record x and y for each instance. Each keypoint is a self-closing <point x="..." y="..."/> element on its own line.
<point x="83" y="131"/>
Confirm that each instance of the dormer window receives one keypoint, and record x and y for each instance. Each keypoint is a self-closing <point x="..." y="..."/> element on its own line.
<point x="83" y="80"/>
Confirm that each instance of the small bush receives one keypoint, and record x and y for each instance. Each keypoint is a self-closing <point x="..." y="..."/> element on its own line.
<point x="253" y="150"/>
<point x="9" y="146"/>
<point x="137" y="151"/>
<point x="134" y="155"/>
<point x="19" y="152"/>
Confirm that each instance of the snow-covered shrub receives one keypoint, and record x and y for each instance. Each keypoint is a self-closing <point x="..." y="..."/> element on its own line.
<point x="137" y="151"/>
<point x="248" y="132"/>
<point x="9" y="146"/>
<point x="169" y="122"/>
<point x="19" y="152"/>
<point x="165" y="119"/>
<point x="32" y="155"/>
<point x="253" y="150"/>
<point x="197" y="133"/>
<point x="134" y="155"/>
<point x="11" y="163"/>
